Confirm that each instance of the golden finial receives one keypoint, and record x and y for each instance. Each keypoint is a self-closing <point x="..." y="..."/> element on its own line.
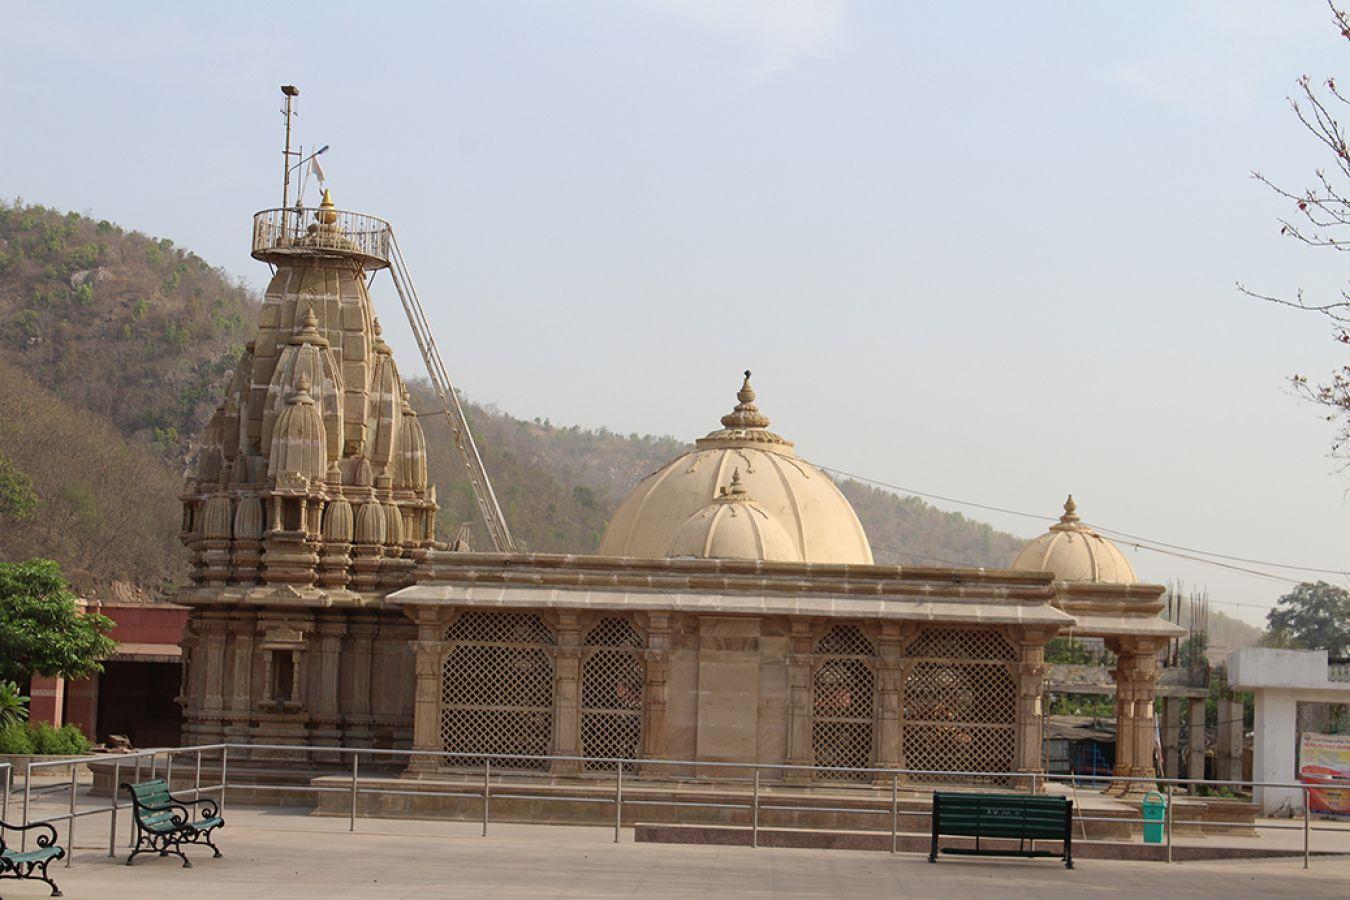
<point x="746" y="414"/>
<point x="327" y="214"/>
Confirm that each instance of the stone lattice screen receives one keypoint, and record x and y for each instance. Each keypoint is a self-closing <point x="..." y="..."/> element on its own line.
<point x="612" y="679"/>
<point x="843" y="703"/>
<point x="497" y="688"/>
<point x="960" y="704"/>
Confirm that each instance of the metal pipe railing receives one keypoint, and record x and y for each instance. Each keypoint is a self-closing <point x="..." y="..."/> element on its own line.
<point x="864" y="797"/>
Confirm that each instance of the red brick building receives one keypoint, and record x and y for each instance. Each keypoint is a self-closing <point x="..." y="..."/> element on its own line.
<point x="135" y="694"/>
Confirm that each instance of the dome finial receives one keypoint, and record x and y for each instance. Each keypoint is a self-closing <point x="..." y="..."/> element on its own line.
<point x="327" y="214"/>
<point x="302" y="385"/>
<point x="1070" y="512"/>
<point x="308" y="332"/>
<point x="746" y="414"/>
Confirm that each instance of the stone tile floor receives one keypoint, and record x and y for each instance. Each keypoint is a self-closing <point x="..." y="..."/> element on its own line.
<point x="285" y="853"/>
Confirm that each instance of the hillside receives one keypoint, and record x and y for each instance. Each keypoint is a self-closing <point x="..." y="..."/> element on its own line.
<point x="1227" y="634"/>
<point x="127" y="326"/>
<point x="72" y="488"/>
<point x="558" y="487"/>
<point x="114" y="344"/>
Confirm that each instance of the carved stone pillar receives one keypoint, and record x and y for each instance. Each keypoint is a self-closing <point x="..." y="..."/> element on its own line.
<point x="327" y="729"/>
<point x="212" y="727"/>
<point x="427" y="703"/>
<point x="891" y="689"/>
<point x="655" y="743"/>
<point x="1030" y="674"/>
<point x="1146" y="674"/>
<point x="799" y="662"/>
<point x="567" y="695"/>
<point x="189" y="699"/>
<point x="357" y="717"/>
<point x="241" y="677"/>
<point x="1123" y="674"/>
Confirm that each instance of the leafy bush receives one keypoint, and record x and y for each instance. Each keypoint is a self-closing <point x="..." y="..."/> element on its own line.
<point x="13" y="705"/>
<point x="75" y="741"/>
<point x="47" y="740"/>
<point x="15" y="738"/>
<point x="43" y="739"/>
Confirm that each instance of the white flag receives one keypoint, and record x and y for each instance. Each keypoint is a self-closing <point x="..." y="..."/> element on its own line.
<point x="315" y="169"/>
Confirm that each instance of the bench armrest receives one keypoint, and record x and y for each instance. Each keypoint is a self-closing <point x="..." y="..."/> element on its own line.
<point x="43" y="840"/>
<point x="210" y="804"/>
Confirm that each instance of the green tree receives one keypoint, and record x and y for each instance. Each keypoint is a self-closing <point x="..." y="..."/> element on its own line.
<point x="42" y="630"/>
<point x="17" y="499"/>
<point x="1313" y="617"/>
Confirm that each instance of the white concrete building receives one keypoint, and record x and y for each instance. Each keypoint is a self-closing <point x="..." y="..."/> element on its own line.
<point x="1281" y="679"/>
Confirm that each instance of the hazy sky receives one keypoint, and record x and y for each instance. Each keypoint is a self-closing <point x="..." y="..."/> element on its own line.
<point x="980" y="250"/>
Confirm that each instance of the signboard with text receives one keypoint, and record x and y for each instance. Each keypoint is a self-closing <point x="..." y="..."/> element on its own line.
<point x="1324" y="759"/>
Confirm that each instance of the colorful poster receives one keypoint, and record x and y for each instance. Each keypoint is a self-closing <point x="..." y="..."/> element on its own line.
<point x="1324" y="759"/>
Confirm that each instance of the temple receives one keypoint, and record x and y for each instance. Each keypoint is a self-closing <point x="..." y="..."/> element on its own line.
<point x="733" y="613"/>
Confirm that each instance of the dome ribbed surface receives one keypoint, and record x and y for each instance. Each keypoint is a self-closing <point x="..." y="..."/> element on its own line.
<point x="1074" y="552"/>
<point x="800" y="499"/>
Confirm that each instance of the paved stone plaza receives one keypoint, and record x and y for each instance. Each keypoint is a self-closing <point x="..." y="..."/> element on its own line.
<point x="279" y="853"/>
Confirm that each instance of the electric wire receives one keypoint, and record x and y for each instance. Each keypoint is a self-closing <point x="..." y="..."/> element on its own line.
<point x="1178" y="551"/>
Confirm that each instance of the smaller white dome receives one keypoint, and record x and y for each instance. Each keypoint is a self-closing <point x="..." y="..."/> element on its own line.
<point x="733" y="527"/>
<point x="1074" y="552"/>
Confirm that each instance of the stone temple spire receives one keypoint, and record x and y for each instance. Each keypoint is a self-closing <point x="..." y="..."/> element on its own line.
<point x="315" y="466"/>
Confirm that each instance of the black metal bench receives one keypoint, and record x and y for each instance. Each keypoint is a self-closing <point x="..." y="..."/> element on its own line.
<point x="15" y="863"/>
<point x="1012" y="816"/>
<point x="163" y="823"/>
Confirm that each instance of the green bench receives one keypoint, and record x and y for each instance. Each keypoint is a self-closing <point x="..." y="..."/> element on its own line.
<point x="32" y="863"/>
<point x="163" y="823"/>
<point x="1011" y="816"/>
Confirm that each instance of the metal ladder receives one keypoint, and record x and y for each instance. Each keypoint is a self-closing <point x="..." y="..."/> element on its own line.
<point x="449" y="400"/>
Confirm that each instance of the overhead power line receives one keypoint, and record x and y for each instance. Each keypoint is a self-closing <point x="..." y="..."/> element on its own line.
<point x="1179" y="551"/>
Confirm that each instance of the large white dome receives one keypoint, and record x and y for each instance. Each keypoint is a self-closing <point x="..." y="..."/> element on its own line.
<point x="798" y="497"/>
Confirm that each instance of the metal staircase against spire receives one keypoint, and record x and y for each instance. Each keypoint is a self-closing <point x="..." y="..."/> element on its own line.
<point x="449" y="400"/>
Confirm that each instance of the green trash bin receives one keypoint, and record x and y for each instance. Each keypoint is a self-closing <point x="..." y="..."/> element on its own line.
<point x="1155" y="811"/>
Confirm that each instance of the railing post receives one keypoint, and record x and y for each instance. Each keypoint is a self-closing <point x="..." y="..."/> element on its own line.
<point x="197" y="777"/>
<point x="224" y="780"/>
<point x="356" y="770"/>
<point x="154" y="764"/>
<point x="112" y="826"/>
<point x="168" y="772"/>
<point x="4" y="801"/>
<point x="1307" y="830"/>
<point x="895" y="810"/>
<point x="1168" y="823"/>
<point x="754" y="812"/>
<point x="618" y="802"/>
<point x="135" y="779"/>
<point x="27" y="796"/>
<point x="487" y="792"/>
<point x="70" y="828"/>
